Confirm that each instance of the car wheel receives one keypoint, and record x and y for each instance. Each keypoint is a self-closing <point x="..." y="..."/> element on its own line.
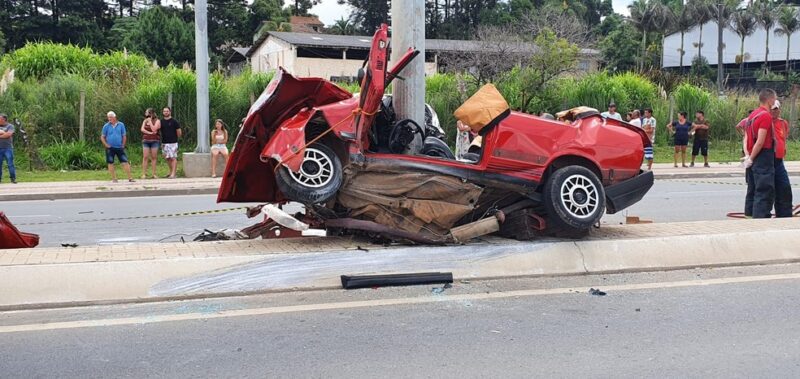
<point x="319" y="177"/>
<point x="575" y="200"/>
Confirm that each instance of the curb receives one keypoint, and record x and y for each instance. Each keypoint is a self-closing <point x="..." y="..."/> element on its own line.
<point x="108" y="194"/>
<point x="72" y="284"/>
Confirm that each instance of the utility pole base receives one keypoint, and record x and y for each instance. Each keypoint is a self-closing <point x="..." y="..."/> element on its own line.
<point x="198" y="165"/>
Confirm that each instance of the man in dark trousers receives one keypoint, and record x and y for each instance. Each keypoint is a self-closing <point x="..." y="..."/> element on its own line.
<point x="783" y="188"/>
<point x="760" y="158"/>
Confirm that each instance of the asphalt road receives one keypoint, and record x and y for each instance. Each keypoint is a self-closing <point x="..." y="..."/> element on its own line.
<point x="130" y="220"/>
<point x="728" y="322"/>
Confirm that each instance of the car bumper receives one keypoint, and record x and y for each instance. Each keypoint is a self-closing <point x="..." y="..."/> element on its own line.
<point x="629" y="192"/>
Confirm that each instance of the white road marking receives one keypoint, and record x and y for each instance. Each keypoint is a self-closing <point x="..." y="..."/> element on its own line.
<point x="379" y="303"/>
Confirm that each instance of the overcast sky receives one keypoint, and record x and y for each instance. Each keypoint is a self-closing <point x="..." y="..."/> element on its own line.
<point x="329" y="11"/>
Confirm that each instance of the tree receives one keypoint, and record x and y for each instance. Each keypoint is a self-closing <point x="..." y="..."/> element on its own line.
<point x="682" y="21"/>
<point x="496" y="50"/>
<point x="225" y="20"/>
<point x="343" y="27"/>
<point x="301" y="7"/>
<point x="368" y="15"/>
<point x="566" y="26"/>
<point x="267" y="10"/>
<point x="2" y="42"/>
<point x="701" y="11"/>
<point x="744" y="24"/>
<point x="620" y="48"/>
<point x="161" y="34"/>
<point x="551" y="58"/>
<point x="648" y="16"/>
<point x="766" y="13"/>
<point x="788" y="23"/>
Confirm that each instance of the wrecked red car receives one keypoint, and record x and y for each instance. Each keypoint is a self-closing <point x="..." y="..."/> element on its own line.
<point x="356" y="169"/>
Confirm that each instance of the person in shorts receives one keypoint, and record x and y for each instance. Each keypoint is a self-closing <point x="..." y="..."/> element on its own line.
<point x="114" y="139"/>
<point x="680" y="129"/>
<point x="150" y="141"/>
<point x="700" y="144"/>
<point x="170" y="133"/>
<point x="219" y="145"/>
<point x="649" y="126"/>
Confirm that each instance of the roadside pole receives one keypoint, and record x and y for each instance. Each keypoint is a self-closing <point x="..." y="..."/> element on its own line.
<point x="201" y="62"/>
<point x="197" y="164"/>
<point x="720" y="65"/>
<point x="408" y="30"/>
<point x="82" y="117"/>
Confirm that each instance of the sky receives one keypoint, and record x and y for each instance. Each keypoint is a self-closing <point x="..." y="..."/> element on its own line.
<point x="329" y="10"/>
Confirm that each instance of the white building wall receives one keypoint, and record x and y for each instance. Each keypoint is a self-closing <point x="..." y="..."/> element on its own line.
<point x="754" y="46"/>
<point x="273" y="53"/>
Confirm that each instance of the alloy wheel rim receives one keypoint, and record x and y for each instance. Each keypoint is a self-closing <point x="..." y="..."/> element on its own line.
<point x="580" y="196"/>
<point x="315" y="171"/>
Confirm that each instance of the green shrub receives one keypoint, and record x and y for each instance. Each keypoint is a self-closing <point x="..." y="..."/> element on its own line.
<point x="642" y="93"/>
<point x="690" y="99"/>
<point x="73" y="156"/>
<point x="597" y="90"/>
<point x="43" y="59"/>
<point x="443" y="95"/>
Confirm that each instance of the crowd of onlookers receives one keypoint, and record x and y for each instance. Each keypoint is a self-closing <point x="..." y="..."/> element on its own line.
<point x="157" y="133"/>
<point x="764" y="140"/>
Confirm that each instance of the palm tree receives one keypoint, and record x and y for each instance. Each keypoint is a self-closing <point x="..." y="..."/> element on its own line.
<point x="766" y="13"/>
<point x="744" y="23"/>
<point x="702" y="11"/>
<point x="681" y="20"/>
<point x="343" y="27"/>
<point x="788" y="23"/>
<point x="648" y="16"/>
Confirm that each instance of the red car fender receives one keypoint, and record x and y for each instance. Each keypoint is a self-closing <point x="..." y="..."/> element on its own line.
<point x="287" y="145"/>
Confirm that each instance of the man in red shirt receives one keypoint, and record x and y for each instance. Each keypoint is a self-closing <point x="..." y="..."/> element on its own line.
<point x="783" y="188"/>
<point x="760" y="158"/>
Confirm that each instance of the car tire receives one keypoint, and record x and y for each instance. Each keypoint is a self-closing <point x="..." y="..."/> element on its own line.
<point x="318" y="180"/>
<point x="574" y="200"/>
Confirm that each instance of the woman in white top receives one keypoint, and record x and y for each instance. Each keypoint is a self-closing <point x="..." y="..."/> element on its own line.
<point x="219" y="145"/>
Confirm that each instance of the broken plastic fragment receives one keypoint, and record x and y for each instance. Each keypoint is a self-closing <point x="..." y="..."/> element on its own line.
<point x="283" y="219"/>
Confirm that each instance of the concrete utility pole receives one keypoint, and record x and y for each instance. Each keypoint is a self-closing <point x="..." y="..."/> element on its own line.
<point x="408" y="30"/>
<point x="720" y="65"/>
<point x="201" y="62"/>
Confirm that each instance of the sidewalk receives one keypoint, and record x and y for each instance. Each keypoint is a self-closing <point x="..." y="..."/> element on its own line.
<point x="49" y="277"/>
<point x="201" y="186"/>
<point x="717" y="170"/>
<point x="101" y="189"/>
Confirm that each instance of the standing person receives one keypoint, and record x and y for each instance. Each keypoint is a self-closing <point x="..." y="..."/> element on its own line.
<point x="740" y="131"/>
<point x="612" y="112"/>
<point x="115" y="139"/>
<point x="219" y="145"/>
<point x="700" y="144"/>
<point x="150" y="141"/>
<point x="783" y="188"/>
<point x="635" y="119"/>
<point x="680" y="129"/>
<point x="7" y="148"/>
<point x="170" y="132"/>
<point x="649" y="126"/>
<point x="760" y="158"/>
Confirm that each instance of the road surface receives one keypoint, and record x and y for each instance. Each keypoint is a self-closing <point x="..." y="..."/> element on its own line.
<point x="131" y="220"/>
<point x="728" y="322"/>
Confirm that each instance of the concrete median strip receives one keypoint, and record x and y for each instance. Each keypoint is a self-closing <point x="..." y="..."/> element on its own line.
<point x="219" y="269"/>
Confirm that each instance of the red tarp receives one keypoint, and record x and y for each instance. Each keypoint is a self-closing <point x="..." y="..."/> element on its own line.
<point x="11" y="238"/>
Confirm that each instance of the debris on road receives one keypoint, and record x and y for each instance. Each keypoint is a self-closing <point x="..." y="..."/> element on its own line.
<point x="373" y="281"/>
<point x="596" y="292"/>
<point x="440" y="290"/>
<point x="73" y="245"/>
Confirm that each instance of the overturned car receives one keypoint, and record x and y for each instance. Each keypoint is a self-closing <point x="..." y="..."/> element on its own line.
<point x="354" y="166"/>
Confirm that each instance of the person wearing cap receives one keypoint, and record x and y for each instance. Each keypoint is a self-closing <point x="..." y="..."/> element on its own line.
<point x="612" y="112"/>
<point x="783" y="188"/>
<point x="7" y="148"/>
<point x="760" y="158"/>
